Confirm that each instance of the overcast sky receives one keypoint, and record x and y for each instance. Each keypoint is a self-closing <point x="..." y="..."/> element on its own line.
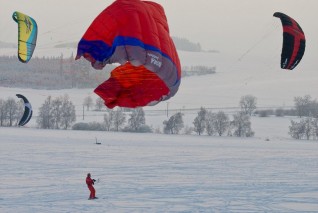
<point x="224" y="25"/>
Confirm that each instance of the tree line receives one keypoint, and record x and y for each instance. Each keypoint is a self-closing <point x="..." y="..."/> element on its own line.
<point x="50" y="73"/>
<point x="63" y="73"/>
<point x="307" y="126"/>
<point x="205" y="122"/>
<point x="217" y="123"/>
<point x="11" y="111"/>
<point x="59" y="113"/>
<point x="186" y="45"/>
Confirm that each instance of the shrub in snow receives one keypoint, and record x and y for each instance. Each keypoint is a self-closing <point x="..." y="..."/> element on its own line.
<point x="187" y="130"/>
<point x="279" y="112"/>
<point x="92" y="126"/>
<point x="142" y="129"/>
<point x="80" y="126"/>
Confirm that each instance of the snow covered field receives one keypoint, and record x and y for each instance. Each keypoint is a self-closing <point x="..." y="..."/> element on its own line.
<point x="45" y="170"/>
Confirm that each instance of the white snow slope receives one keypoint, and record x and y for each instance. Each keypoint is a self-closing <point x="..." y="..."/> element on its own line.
<point x="45" y="170"/>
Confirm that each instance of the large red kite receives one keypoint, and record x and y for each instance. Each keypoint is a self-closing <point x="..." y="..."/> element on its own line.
<point x="135" y="34"/>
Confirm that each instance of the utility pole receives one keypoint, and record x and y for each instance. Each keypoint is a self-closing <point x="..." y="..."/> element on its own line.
<point x="83" y="111"/>
<point x="167" y="109"/>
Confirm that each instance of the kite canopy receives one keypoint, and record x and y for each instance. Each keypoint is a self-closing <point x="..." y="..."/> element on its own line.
<point x="27" y="111"/>
<point x="294" y="42"/>
<point x="134" y="34"/>
<point x="26" y="37"/>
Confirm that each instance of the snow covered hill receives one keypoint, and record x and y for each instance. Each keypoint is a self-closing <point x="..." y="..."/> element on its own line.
<point x="45" y="170"/>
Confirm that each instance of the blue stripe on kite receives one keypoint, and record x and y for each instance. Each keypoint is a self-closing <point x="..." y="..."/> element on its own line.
<point x="100" y="51"/>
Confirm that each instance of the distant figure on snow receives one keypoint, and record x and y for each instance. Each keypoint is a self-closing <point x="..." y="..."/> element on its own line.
<point x="90" y="183"/>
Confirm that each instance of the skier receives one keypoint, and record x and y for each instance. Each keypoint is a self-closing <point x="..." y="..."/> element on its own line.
<point x="90" y="183"/>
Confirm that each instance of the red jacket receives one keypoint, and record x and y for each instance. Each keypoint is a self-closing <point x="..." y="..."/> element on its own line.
<point x="89" y="181"/>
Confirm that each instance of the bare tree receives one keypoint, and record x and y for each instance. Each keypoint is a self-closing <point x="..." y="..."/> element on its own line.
<point x="305" y="128"/>
<point x="314" y="125"/>
<point x="136" y="120"/>
<point x="242" y="125"/>
<point x="119" y="119"/>
<point x="44" y="119"/>
<point x="314" y="109"/>
<point x="3" y="112"/>
<point x="248" y="104"/>
<point x="56" y="112"/>
<point x="174" y="124"/>
<point x="307" y="122"/>
<point x="302" y="105"/>
<point x="221" y="123"/>
<point x="199" y="121"/>
<point x="68" y="113"/>
<point x="109" y="120"/>
<point x="209" y="123"/>
<point x="12" y="110"/>
<point x="306" y="107"/>
<point x="296" y="130"/>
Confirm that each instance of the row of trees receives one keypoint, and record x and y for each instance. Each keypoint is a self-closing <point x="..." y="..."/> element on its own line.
<point x="59" y="113"/>
<point x="307" y="127"/>
<point x="56" y="113"/>
<point x="197" y="70"/>
<point x="186" y="45"/>
<point x="206" y="121"/>
<point x="116" y="120"/>
<point x="211" y="123"/>
<point x="220" y="124"/>
<point x="11" y="111"/>
<point x="50" y="73"/>
<point x="217" y="123"/>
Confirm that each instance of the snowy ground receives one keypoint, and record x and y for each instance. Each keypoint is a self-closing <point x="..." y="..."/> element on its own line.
<point x="45" y="170"/>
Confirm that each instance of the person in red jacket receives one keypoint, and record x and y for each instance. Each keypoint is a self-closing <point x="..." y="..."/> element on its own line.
<point x="90" y="183"/>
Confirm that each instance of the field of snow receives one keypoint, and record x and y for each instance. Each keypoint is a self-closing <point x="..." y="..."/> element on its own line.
<point x="45" y="170"/>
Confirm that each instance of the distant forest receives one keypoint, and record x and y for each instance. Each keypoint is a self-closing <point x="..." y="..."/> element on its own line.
<point x="50" y="73"/>
<point x="186" y="45"/>
<point x="66" y="73"/>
